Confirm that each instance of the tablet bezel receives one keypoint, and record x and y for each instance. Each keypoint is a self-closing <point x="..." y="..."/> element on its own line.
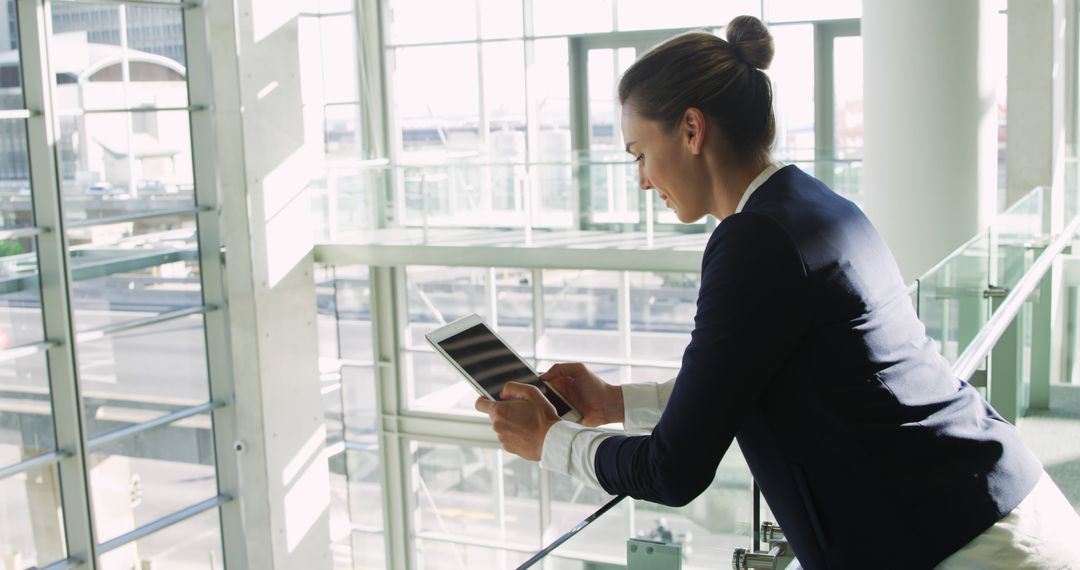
<point x="467" y="322"/>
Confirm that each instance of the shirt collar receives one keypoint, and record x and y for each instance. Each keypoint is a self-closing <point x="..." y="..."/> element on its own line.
<point x="761" y="178"/>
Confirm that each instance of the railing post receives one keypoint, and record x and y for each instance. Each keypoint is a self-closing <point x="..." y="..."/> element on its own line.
<point x="1041" y="340"/>
<point x="1004" y="375"/>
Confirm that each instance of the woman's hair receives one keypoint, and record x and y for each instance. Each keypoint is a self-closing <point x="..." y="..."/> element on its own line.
<point x="724" y="79"/>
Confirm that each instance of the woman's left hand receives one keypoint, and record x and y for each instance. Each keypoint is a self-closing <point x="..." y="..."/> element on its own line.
<point x="521" y="419"/>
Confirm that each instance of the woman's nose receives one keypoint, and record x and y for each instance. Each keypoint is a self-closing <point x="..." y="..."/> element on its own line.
<point x="643" y="181"/>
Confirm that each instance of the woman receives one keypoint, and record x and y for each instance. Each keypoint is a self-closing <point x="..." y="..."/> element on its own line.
<point x="805" y="347"/>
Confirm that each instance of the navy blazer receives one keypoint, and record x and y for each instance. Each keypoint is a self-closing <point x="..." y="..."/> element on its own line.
<point x="806" y="347"/>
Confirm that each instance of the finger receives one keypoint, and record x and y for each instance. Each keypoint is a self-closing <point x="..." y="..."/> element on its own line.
<point x="484" y="405"/>
<point x="560" y="383"/>
<point x="561" y="369"/>
<point x="518" y="391"/>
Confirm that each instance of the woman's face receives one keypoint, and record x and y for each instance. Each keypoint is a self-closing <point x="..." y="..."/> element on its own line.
<point x="666" y="163"/>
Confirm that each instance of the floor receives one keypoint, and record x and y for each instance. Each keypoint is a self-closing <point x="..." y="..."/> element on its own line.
<point x="1054" y="436"/>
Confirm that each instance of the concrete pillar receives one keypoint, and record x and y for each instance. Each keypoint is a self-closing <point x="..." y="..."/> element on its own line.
<point x="930" y="125"/>
<point x="266" y="157"/>
<point x="1030" y="131"/>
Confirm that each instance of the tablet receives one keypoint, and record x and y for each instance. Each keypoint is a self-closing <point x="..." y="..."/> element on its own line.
<point x="487" y="362"/>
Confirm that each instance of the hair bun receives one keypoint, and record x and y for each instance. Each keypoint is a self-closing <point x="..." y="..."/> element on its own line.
<point x="752" y="41"/>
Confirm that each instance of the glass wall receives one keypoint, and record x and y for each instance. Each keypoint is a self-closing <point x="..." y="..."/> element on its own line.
<point x="107" y="402"/>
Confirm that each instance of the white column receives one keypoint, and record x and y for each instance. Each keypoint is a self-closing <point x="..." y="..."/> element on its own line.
<point x="264" y="161"/>
<point x="931" y="127"/>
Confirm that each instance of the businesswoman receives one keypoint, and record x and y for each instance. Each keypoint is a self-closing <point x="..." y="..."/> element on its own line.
<point x="805" y="348"/>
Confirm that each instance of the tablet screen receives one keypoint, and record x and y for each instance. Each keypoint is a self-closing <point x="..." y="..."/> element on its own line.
<point x="491" y="363"/>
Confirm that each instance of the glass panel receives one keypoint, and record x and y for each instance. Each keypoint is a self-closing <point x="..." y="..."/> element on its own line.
<point x="433" y="384"/>
<point x="16" y="209"/>
<point x="11" y="96"/>
<point x="132" y="270"/>
<point x="340" y="524"/>
<point x="439" y="295"/>
<point x="551" y="17"/>
<point x="580" y="315"/>
<point x="138" y="375"/>
<point x="1016" y="233"/>
<point x="20" y="293"/>
<point x="338" y="35"/>
<point x="605" y="67"/>
<point x="31" y="519"/>
<point x="419" y="21"/>
<point x="798" y="10"/>
<point x="432" y="117"/>
<point x="437" y="554"/>
<point x="951" y="302"/>
<point x="145" y="477"/>
<point x="514" y="308"/>
<point x="188" y="545"/>
<point x="26" y="423"/>
<point x="500" y="18"/>
<point x="94" y="69"/>
<point x="848" y="69"/>
<point x="549" y="94"/>
<point x="604" y="540"/>
<point x="343" y="135"/>
<point x="369" y="550"/>
<point x="504" y="99"/>
<point x="354" y="313"/>
<point x="360" y="403"/>
<point x="792" y="75"/>
<point x="365" y="490"/>
<point x="662" y="309"/>
<point x="713" y="525"/>
<point x="99" y="177"/>
<point x="476" y="492"/>
<point x="648" y="15"/>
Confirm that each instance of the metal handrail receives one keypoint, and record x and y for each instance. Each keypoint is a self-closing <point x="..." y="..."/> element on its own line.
<point x="569" y="534"/>
<point x="988" y="336"/>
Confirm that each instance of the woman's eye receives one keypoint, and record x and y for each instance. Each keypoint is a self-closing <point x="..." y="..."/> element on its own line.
<point x="639" y="158"/>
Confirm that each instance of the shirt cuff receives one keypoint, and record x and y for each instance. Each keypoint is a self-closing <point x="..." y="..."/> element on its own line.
<point x="557" y="446"/>
<point x="641" y="407"/>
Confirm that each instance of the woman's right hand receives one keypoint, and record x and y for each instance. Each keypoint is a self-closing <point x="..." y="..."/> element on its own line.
<point x="599" y="402"/>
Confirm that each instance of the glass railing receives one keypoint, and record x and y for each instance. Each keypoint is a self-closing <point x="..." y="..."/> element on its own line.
<point x="354" y="202"/>
<point x="955" y="300"/>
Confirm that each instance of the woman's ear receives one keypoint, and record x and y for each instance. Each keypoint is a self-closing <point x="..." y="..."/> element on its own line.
<point x="694" y="127"/>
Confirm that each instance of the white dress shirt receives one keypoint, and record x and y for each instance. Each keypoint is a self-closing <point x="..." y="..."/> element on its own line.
<point x="570" y="448"/>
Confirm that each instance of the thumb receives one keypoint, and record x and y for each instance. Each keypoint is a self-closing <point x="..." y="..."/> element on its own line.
<point x="518" y="391"/>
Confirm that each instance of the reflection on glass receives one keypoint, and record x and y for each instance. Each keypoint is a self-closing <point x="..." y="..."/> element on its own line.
<point x="102" y="64"/>
<point x="115" y="164"/>
<point x="514" y="308"/>
<point x="31" y="527"/>
<point x="361" y="413"/>
<point x="441" y="555"/>
<point x="138" y="375"/>
<point x="20" y="293"/>
<point x="504" y="98"/>
<point x="604" y="540"/>
<point x="343" y="133"/>
<point x="712" y="525"/>
<point x="365" y="490"/>
<point x="188" y="545"/>
<point x="131" y="270"/>
<point x="433" y="384"/>
<point x="439" y="295"/>
<point x="26" y="423"/>
<point x="848" y="65"/>
<point x="580" y="315"/>
<point x="470" y="492"/>
<point x="147" y="476"/>
<point x="16" y="210"/>
<point x="662" y="309"/>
